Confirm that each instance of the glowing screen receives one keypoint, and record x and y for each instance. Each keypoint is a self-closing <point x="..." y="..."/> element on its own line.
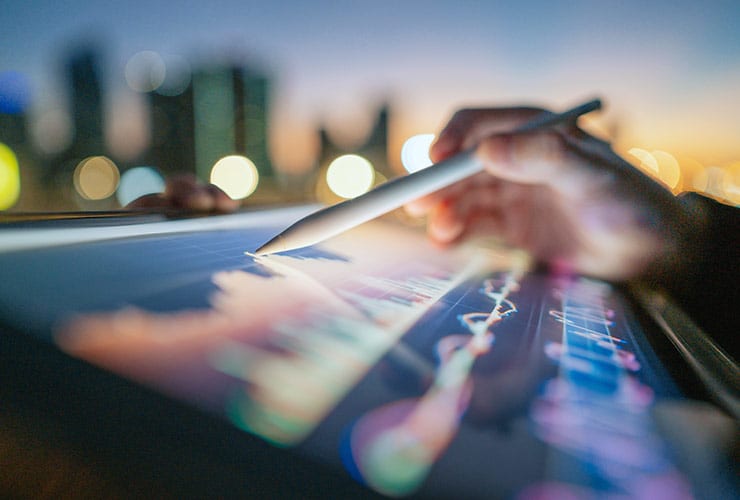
<point x="418" y="369"/>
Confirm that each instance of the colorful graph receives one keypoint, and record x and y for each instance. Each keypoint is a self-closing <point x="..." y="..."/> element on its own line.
<point x="285" y="338"/>
<point x="596" y="409"/>
<point x="393" y="447"/>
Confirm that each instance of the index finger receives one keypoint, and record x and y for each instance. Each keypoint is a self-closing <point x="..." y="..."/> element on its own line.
<point x="469" y="126"/>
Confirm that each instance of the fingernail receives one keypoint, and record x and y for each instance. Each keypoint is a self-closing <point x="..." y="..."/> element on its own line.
<point x="441" y="147"/>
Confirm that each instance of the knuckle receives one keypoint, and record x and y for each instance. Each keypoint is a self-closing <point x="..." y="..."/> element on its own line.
<point x="546" y="147"/>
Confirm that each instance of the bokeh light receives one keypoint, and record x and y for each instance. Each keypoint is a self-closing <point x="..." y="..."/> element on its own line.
<point x="714" y="181"/>
<point x="691" y="170"/>
<point x="350" y="176"/>
<point x="96" y="178"/>
<point x="145" y="71"/>
<point x="236" y="175"/>
<point x="52" y="131"/>
<point x="15" y="92"/>
<point x="177" y="76"/>
<point x="137" y="182"/>
<point x="10" y="181"/>
<point x="731" y="182"/>
<point x="660" y="165"/>
<point x="668" y="169"/>
<point x="648" y="163"/>
<point x="415" y="152"/>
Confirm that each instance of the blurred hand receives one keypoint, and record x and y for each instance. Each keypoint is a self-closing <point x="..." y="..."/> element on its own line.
<point x="186" y="192"/>
<point x="559" y="193"/>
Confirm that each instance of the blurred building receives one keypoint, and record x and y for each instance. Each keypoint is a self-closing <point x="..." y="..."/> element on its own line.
<point x="82" y="74"/>
<point x="374" y="148"/>
<point x="231" y="109"/>
<point x="87" y="104"/>
<point x="172" y="145"/>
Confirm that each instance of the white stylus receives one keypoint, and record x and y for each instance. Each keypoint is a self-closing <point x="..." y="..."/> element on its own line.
<point x="330" y="221"/>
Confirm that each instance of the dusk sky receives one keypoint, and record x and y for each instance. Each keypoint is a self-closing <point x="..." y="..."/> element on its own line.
<point x="668" y="70"/>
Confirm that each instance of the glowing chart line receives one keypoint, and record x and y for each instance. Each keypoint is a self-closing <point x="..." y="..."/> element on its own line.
<point x="394" y="447"/>
<point x="596" y="410"/>
<point x="329" y="352"/>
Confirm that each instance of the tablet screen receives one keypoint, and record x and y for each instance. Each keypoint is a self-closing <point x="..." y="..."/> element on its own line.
<point x="414" y="369"/>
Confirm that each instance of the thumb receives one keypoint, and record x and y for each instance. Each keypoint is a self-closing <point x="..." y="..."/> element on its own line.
<point x="540" y="157"/>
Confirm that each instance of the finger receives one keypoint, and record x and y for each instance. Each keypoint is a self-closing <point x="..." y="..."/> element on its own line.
<point x="182" y="190"/>
<point x="444" y="225"/>
<point x="423" y="205"/>
<point x="469" y="126"/>
<point x="198" y="199"/>
<point x="222" y="202"/>
<point x="450" y="219"/>
<point x="187" y="192"/>
<point x="541" y="157"/>
<point x="149" y="201"/>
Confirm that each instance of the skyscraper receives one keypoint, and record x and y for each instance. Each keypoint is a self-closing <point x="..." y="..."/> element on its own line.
<point x="87" y="104"/>
<point x="231" y="110"/>
<point x="374" y="148"/>
<point x="172" y="147"/>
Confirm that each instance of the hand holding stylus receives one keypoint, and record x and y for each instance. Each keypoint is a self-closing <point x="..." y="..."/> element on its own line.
<point x="559" y="193"/>
<point x="338" y="218"/>
<point x="186" y="192"/>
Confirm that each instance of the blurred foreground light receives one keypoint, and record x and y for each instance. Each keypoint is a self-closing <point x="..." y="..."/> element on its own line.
<point x="15" y="92"/>
<point x="415" y="152"/>
<point x="145" y="71"/>
<point x="236" y="175"/>
<point x="10" y="181"/>
<point x="350" y="176"/>
<point x="137" y="182"/>
<point x="96" y="178"/>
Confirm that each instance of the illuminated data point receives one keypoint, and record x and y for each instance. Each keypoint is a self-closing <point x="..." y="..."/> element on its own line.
<point x="415" y="152"/>
<point x="10" y="181"/>
<point x="96" y="178"/>
<point x="137" y="182"/>
<point x="236" y="175"/>
<point x="350" y="176"/>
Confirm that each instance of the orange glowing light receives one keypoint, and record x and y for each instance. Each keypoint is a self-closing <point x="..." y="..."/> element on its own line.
<point x="96" y="178"/>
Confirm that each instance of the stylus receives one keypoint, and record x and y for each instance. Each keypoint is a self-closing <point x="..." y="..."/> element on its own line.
<point x="338" y="218"/>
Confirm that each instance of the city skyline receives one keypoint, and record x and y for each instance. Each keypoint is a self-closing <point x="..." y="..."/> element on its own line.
<point x="198" y="118"/>
<point x="667" y="70"/>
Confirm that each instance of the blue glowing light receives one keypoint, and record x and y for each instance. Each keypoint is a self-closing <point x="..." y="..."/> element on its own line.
<point x="137" y="182"/>
<point x="15" y="92"/>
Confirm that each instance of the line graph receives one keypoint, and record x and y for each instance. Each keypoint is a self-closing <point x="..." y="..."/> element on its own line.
<point x="393" y="447"/>
<point x="283" y="337"/>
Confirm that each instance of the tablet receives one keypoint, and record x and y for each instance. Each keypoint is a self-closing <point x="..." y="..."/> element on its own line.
<point x="374" y="363"/>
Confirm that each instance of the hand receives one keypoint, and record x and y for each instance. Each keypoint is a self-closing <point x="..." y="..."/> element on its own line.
<point x="185" y="192"/>
<point x="561" y="194"/>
